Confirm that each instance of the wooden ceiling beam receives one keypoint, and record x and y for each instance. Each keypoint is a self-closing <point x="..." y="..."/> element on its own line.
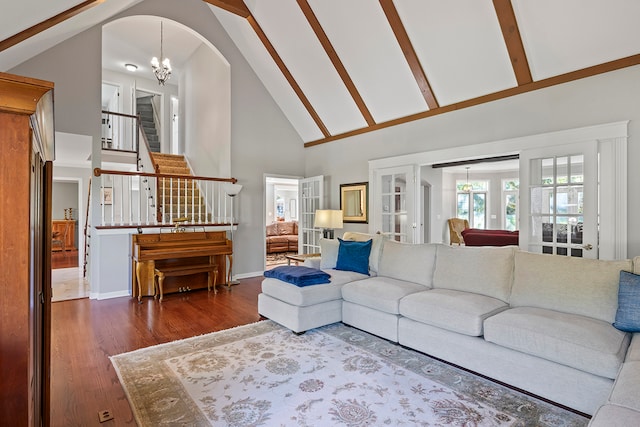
<point x="335" y="60"/>
<point x="48" y="23"/>
<point x="237" y="7"/>
<point x="287" y="74"/>
<point x="618" y="64"/>
<point x="409" y="52"/>
<point x="511" y="35"/>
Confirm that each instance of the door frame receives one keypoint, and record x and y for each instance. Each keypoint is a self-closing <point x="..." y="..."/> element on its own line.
<point x="612" y="150"/>
<point x="81" y="212"/>
<point x="264" y="208"/>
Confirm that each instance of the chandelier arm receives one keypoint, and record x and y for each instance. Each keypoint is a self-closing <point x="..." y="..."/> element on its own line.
<point x="161" y="68"/>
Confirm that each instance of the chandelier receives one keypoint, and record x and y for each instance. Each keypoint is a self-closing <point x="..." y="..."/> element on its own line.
<point x="162" y="71"/>
<point x="467" y="187"/>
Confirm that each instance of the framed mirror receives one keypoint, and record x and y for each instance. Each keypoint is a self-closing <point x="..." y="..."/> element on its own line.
<point x="354" y="202"/>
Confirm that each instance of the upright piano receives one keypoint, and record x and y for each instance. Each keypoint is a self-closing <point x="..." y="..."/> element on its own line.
<point x="178" y="249"/>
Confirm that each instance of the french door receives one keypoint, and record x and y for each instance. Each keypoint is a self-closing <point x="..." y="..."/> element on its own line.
<point x="394" y="203"/>
<point x="311" y="198"/>
<point x="559" y="200"/>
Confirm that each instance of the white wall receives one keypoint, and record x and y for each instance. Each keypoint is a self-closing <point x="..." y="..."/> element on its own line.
<point x="604" y="98"/>
<point x="205" y="113"/>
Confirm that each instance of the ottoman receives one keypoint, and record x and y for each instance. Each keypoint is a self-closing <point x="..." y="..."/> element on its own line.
<point x="308" y="307"/>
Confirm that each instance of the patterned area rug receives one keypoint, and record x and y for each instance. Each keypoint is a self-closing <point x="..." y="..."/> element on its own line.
<point x="264" y="375"/>
<point x="278" y="258"/>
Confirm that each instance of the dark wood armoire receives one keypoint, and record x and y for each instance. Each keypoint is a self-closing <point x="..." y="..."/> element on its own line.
<point x="26" y="155"/>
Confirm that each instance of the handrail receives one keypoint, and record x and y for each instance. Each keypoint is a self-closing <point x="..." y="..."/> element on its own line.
<point x="100" y="171"/>
<point x="146" y="144"/>
<point x="119" y="114"/>
<point x="126" y="138"/>
<point x="125" y="201"/>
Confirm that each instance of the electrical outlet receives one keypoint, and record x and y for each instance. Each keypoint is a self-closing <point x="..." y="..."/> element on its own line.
<point x="105" y="415"/>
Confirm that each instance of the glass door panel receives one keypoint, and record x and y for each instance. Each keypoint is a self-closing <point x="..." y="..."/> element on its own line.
<point x="310" y="196"/>
<point x="558" y="216"/>
<point x="394" y="204"/>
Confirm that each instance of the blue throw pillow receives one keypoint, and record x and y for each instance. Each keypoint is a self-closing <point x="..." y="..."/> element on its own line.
<point x="628" y="314"/>
<point x="354" y="256"/>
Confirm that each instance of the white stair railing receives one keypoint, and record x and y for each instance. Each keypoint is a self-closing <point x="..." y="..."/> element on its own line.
<point x="125" y="201"/>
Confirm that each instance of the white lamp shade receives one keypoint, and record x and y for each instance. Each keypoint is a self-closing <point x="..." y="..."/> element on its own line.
<point x="232" y="189"/>
<point x="327" y="218"/>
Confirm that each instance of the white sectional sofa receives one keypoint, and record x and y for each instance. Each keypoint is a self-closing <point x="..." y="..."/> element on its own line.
<point x="541" y="323"/>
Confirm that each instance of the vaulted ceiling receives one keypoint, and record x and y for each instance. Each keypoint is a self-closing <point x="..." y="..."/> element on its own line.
<point x="342" y="67"/>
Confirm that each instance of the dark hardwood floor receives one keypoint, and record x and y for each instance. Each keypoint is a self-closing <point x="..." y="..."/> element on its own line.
<point x="85" y="333"/>
<point x="66" y="259"/>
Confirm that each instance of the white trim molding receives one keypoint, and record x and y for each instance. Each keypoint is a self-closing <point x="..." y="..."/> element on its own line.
<point x="612" y="139"/>
<point x="613" y="204"/>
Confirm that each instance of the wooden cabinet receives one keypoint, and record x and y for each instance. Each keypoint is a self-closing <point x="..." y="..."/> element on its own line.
<point x="58" y="228"/>
<point x="26" y="154"/>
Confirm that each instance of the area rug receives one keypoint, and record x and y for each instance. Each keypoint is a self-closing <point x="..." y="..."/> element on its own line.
<point x="264" y="375"/>
<point x="278" y="258"/>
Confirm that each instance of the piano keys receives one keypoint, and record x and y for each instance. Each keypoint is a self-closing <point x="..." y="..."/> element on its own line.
<point x="178" y="249"/>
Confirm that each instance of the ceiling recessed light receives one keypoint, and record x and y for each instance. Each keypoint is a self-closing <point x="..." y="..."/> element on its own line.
<point x="131" y="67"/>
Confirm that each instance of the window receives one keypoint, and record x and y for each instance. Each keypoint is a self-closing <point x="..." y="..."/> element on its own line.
<point x="471" y="203"/>
<point x="510" y="189"/>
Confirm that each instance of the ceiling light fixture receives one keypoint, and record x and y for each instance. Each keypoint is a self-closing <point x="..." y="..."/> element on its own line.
<point x="131" y="67"/>
<point x="162" y="71"/>
<point x="467" y="187"/>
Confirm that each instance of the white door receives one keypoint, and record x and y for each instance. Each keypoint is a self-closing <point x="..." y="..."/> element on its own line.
<point x="310" y="199"/>
<point x="394" y="203"/>
<point x="559" y="200"/>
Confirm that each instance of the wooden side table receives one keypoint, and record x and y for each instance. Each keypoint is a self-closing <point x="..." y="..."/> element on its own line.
<point x="300" y="257"/>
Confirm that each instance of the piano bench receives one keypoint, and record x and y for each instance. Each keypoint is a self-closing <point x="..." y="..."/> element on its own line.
<point x="184" y="270"/>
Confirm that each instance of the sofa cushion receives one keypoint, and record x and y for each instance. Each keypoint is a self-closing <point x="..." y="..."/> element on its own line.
<point x="634" y="348"/>
<point x="626" y="390"/>
<point x="329" y="253"/>
<point x="628" y="313"/>
<point x="286" y="228"/>
<point x="354" y="256"/>
<point x="581" y="342"/>
<point x="279" y="239"/>
<point x="615" y="416"/>
<point x="272" y="229"/>
<point x="588" y="287"/>
<point x="376" y="246"/>
<point x="480" y="270"/>
<point x="409" y="262"/>
<point x="379" y="293"/>
<point x="461" y="312"/>
<point x="310" y="295"/>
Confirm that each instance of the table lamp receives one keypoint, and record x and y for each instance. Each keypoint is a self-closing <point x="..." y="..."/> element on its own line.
<point x="328" y="220"/>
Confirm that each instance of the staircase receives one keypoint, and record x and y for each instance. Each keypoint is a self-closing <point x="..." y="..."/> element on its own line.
<point x="171" y="198"/>
<point x="144" y="107"/>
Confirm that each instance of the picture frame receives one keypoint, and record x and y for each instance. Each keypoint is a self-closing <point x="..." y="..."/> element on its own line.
<point x="354" y="202"/>
<point x="106" y="194"/>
